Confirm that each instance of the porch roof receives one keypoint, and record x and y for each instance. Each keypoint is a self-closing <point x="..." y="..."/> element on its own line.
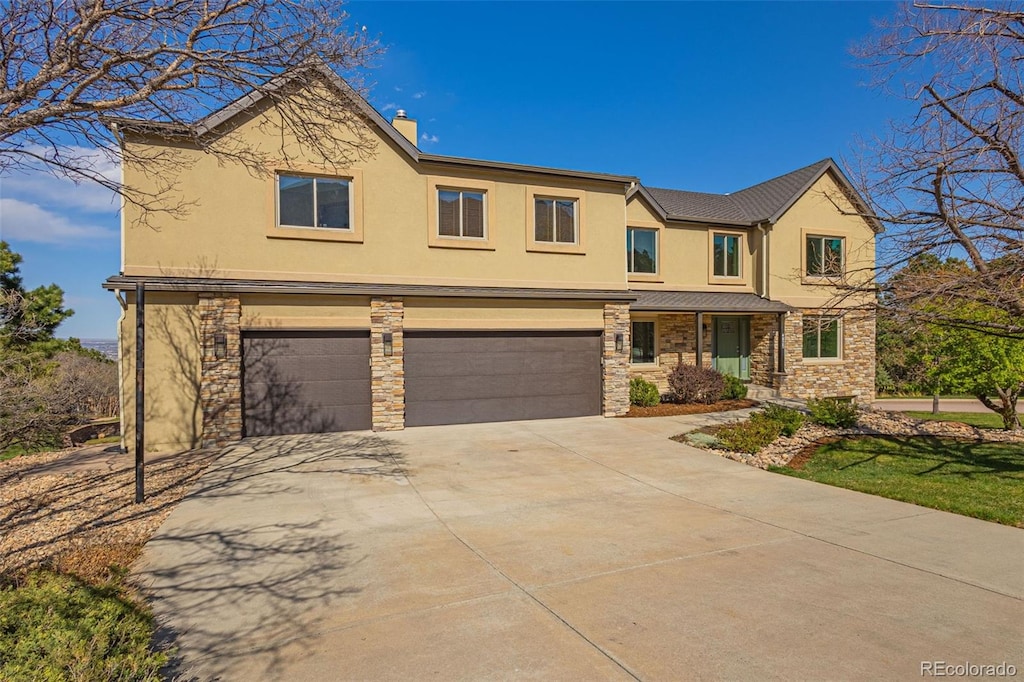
<point x="705" y="302"/>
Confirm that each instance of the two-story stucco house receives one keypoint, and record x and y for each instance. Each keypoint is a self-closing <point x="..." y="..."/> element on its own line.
<point x="413" y="289"/>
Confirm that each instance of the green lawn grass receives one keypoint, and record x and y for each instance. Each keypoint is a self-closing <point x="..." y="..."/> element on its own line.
<point x="983" y="480"/>
<point x="982" y="420"/>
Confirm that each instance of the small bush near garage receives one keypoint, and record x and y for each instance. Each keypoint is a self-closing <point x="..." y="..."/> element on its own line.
<point x="734" y="388"/>
<point x="791" y="420"/>
<point x="833" y="412"/>
<point x="692" y="384"/>
<point x="749" y="436"/>
<point x="643" y="392"/>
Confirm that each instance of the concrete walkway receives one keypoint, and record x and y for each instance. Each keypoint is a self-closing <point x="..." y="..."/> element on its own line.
<point x="567" y="549"/>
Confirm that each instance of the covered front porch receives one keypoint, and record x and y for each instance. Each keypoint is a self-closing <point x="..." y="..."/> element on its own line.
<point x="739" y="334"/>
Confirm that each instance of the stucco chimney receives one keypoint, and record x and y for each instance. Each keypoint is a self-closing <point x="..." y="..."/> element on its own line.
<point x="405" y="125"/>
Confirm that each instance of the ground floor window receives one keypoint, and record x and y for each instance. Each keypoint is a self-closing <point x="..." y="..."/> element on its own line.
<point x="821" y="337"/>
<point x="642" y="337"/>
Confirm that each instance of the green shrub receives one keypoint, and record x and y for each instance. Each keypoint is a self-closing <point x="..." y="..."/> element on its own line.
<point x="734" y="388"/>
<point x="833" y="412"/>
<point x="692" y="384"/>
<point x="749" y="436"/>
<point x="643" y="392"/>
<point x="791" y="420"/>
<point x="702" y="440"/>
<point x="54" y="627"/>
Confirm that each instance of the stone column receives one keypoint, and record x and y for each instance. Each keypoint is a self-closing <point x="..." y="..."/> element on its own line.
<point x="220" y="381"/>
<point x="615" y="368"/>
<point x="387" y="372"/>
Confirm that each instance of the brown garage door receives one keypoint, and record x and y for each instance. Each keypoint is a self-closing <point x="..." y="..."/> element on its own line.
<point x="305" y="382"/>
<point x="463" y="377"/>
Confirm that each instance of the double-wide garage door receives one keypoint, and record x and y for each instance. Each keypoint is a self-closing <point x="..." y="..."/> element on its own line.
<point x="464" y="376"/>
<point x="309" y="382"/>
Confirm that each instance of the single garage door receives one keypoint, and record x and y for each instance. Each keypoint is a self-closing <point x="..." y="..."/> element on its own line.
<point x="305" y="382"/>
<point x="468" y="376"/>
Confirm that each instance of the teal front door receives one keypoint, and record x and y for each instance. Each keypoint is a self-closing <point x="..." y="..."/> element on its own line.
<point x="731" y="346"/>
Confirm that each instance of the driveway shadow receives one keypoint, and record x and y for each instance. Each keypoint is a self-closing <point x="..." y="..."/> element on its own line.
<point x="252" y="562"/>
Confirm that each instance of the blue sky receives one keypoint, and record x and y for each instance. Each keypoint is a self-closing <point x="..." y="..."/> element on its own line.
<point x="705" y="97"/>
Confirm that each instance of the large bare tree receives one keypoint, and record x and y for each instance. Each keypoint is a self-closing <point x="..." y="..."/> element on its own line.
<point x="71" y="68"/>
<point x="948" y="180"/>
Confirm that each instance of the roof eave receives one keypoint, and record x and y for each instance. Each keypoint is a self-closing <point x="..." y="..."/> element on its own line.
<point x="526" y="168"/>
<point x="709" y="221"/>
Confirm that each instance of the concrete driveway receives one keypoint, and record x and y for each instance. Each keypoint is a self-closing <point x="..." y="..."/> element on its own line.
<point x="567" y="549"/>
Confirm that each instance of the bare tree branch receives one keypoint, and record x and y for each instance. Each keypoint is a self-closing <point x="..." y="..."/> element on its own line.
<point x="69" y="65"/>
<point x="949" y="181"/>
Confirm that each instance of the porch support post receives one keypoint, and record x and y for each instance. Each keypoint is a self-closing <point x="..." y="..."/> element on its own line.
<point x="781" y="366"/>
<point x="700" y="339"/>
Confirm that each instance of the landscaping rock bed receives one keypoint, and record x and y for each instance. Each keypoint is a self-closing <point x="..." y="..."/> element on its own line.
<point x="790" y="451"/>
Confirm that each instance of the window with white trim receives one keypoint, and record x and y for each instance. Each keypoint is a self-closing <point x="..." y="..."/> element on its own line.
<point x="310" y="201"/>
<point x="822" y="337"/>
<point x="461" y="213"/>
<point x="555" y="220"/>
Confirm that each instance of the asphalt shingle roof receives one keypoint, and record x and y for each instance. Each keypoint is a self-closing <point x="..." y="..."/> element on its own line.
<point x="750" y="205"/>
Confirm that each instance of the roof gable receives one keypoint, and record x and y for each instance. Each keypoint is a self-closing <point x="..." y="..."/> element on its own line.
<point x="763" y="202"/>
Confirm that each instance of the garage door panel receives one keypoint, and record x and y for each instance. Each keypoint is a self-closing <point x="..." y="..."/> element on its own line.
<point x="285" y="420"/>
<point x="306" y="382"/>
<point x="312" y="368"/>
<point x="465" y="377"/>
<point x="501" y="386"/>
<point x="484" y="410"/>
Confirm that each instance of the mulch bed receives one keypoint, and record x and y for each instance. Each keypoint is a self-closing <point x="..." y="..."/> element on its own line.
<point x="674" y="409"/>
<point x="84" y="522"/>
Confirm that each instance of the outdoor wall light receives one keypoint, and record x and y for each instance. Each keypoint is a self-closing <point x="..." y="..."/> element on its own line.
<point x="619" y="339"/>
<point x="389" y="344"/>
<point x="220" y="346"/>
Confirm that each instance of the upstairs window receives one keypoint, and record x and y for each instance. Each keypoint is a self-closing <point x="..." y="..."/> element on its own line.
<point x="461" y="213"/>
<point x="821" y="337"/>
<point x="641" y="250"/>
<point x="556" y="221"/>
<point x="726" y="255"/>
<point x="304" y="201"/>
<point x="824" y="256"/>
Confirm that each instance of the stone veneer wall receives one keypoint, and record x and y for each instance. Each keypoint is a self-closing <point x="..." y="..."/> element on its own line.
<point x="615" y="365"/>
<point x="763" y="349"/>
<point x="853" y="375"/>
<point x="677" y="343"/>
<point x="220" y="386"/>
<point x="387" y="373"/>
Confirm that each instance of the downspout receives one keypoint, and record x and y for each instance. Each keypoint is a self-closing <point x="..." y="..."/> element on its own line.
<point x="762" y="227"/>
<point x="120" y="366"/>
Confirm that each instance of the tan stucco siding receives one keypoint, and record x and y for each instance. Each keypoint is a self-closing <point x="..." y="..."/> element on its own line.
<point x="684" y="254"/>
<point x="172" y="367"/>
<point x="228" y="230"/>
<point x="446" y="313"/>
<point x="291" y="311"/>
<point x="638" y="212"/>
<point x="823" y="210"/>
